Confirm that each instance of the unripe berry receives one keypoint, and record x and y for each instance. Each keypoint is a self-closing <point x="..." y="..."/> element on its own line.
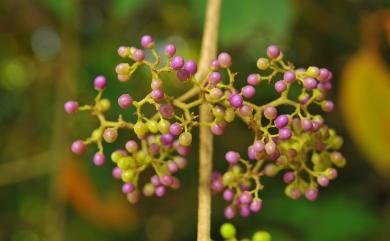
<point x="110" y="135"/>
<point x="229" y="115"/>
<point x="163" y="126"/>
<point x="185" y="139"/>
<point x="116" y="155"/>
<point x="99" y="159"/>
<point x="123" y="51"/>
<point x="228" y="231"/>
<point x="313" y="72"/>
<point x="152" y="126"/>
<point x="78" y="147"/>
<point x="124" y="163"/>
<point x="215" y="94"/>
<point x="262" y="63"/>
<point x="270" y="148"/>
<point x="157" y="94"/>
<point x="127" y="176"/>
<point x="170" y="50"/>
<point x="125" y="101"/>
<point x="181" y="162"/>
<point x="271" y="170"/>
<point x="327" y="106"/>
<point x="71" y="107"/>
<point x="147" y="41"/>
<point x="245" y="110"/>
<point x="337" y="158"/>
<point x="156" y="84"/>
<point x="131" y="146"/>
<point x="122" y="69"/>
<point x="140" y="128"/>
<point x="270" y="112"/>
<point x="123" y="78"/>
<point x="100" y="82"/>
<point x="273" y="51"/>
<point x="148" y="190"/>
<point x="133" y="197"/>
<point x="177" y="62"/>
<point x="261" y="236"/>
<point x="225" y="60"/>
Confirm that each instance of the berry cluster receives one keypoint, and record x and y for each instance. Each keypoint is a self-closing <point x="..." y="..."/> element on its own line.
<point x="297" y="142"/>
<point x="228" y="232"/>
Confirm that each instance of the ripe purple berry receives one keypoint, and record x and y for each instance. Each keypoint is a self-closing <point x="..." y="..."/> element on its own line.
<point x="285" y="133"/>
<point x="253" y="79"/>
<point x="175" y="129"/>
<point x="157" y="94"/>
<point x="99" y="159"/>
<point x="117" y="173"/>
<point x="323" y="180"/>
<point x="229" y="212"/>
<point x="248" y="91"/>
<point x="273" y="51"/>
<point x="270" y="112"/>
<point x="309" y="83"/>
<point x="125" y="101"/>
<point x="177" y="62"/>
<point x="256" y="206"/>
<point x="170" y="50"/>
<point x="280" y="86"/>
<point x="215" y="78"/>
<point x="191" y="67"/>
<point x="183" y="75"/>
<point x="289" y="76"/>
<point x="236" y="100"/>
<point x="147" y="41"/>
<point x="78" y="147"/>
<point x="228" y="194"/>
<point x="245" y="197"/>
<point x="258" y="146"/>
<point x="138" y="55"/>
<point x="289" y="177"/>
<point x="167" y="110"/>
<point x="311" y="193"/>
<point x="232" y="157"/>
<point x="225" y="60"/>
<point x="127" y="188"/>
<point x="71" y="107"/>
<point x="217" y="130"/>
<point x="100" y="82"/>
<point x="214" y="65"/>
<point x="282" y="121"/>
<point x="327" y="106"/>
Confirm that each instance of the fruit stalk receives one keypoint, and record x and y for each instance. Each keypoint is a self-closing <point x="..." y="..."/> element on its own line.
<point x="207" y="54"/>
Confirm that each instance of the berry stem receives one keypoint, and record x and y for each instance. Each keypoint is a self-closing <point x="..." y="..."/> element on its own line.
<point x="208" y="52"/>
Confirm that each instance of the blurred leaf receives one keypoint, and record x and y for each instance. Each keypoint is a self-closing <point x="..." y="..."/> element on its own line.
<point x="338" y="218"/>
<point x="365" y="104"/>
<point x="123" y="8"/>
<point x="111" y="213"/>
<point x="239" y="20"/>
<point x="62" y="8"/>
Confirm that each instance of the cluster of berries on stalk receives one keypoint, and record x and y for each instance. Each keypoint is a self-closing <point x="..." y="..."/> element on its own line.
<point x="297" y="143"/>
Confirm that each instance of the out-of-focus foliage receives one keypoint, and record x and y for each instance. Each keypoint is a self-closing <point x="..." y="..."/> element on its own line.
<point x="52" y="49"/>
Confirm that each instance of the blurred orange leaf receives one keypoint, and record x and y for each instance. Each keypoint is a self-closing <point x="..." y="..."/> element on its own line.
<point x="112" y="213"/>
<point x="365" y="105"/>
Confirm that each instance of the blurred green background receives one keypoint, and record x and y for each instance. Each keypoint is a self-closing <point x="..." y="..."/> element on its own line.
<point x="50" y="51"/>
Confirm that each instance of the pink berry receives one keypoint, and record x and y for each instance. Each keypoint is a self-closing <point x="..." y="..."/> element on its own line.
<point x="311" y="194"/>
<point x="100" y="82"/>
<point x="225" y="60"/>
<point x="125" y="101"/>
<point x="309" y="83"/>
<point x="270" y="112"/>
<point x="273" y="51"/>
<point x="138" y="55"/>
<point x="147" y="41"/>
<point x="280" y="86"/>
<point x="127" y="188"/>
<point x="254" y="79"/>
<point x="323" y="180"/>
<point x="289" y="177"/>
<point x="256" y="206"/>
<point x="78" y="147"/>
<point x="99" y="159"/>
<point x="191" y="67"/>
<point x="71" y="107"/>
<point x="248" y="91"/>
<point x="117" y="173"/>
<point x="123" y="51"/>
<point x="170" y="50"/>
<point x="232" y="157"/>
<point x="177" y="62"/>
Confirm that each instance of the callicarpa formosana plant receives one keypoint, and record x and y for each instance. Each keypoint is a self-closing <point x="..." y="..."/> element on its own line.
<point x="297" y="144"/>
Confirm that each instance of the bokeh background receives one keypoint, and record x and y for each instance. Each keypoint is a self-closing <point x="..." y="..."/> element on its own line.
<point x="50" y="51"/>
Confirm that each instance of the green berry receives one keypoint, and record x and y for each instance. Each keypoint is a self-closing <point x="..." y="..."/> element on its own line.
<point x="313" y="72"/>
<point x="152" y="126"/>
<point x="140" y="129"/>
<point x="185" y="139"/>
<point x="116" y="155"/>
<point x="127" y="176"/>
<point x="229" y="115"/>
<point x="262" y="63"/>
<point x="163" y="126"/>
<point x="261" y="236"/>
<point x="103" y="105"/>
<point x="228" y="231"/>
<point x="140" y="156"/>
<point x="126" y="162"/>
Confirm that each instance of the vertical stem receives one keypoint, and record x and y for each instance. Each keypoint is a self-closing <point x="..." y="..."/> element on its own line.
<point x="208" y="53"/>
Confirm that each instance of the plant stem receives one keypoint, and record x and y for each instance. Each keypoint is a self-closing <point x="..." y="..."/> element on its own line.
<point x="207" y="54"/>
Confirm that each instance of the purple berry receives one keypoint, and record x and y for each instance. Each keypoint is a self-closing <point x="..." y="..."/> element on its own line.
<point x="228" y="194"/>
<point x="125" y="101"/>
<point x="117" y="173"/>
<point x="229" y="212"/>
<point x="172" y="167"/>
<point x="258" y="146"/>
<point x="311" y="194"/>
<point x="236" y="100"/>
<point x="323" y="180"/>
<point x="191" y="67"/>
<point x="251" y="153"/>
<point x="273" y="51"/>
<point x="166" y="139"/>
<point x="157" y="94"/>
<point x="282" y="121"/>
<point x="270" y="148"/>
<point x="131" y="146"/>
<point x="181" y="162"/>
<point x="295" y="193"/>
<point x="127" y="188"/>
<point x="324" y="75"/>
<point x="99" y="159"/>
<point x="147" y="41"/>
<point x="245" y="197"/>
<point x="280" y="86"/>
<point x="160" y="191"/>
<point x="327" y="106"/>
<point x="245" y="110"/>
<point x="214" y="65"/>
<point x="217" y="185"/>
<point x="232" y="157"/>
<point x="123" y="51"/>
<point x="138" y="55"/>
<point x="254" y="79"/>
<point x="256" y="206"/>
<point x="289" y="177"/>
<point x="175" y="129"/>
<point x="306" y="124"/>
<point x="177" y="62"/>
<point x="217" y="130"/>
<point x="167" y="110"/>
<point x="183" y="75"/>
<point x="225" y="60"/>
<point x="289" y="76"/>
<point x="248" y="91"/>
<point x="78" y="147"/>
<point x="71" y="107"/>
<point x="215" y="78"/>
<point x="285" y="134"/>
<point x="166" y="180"/>
<point x="170" y="50"/>
<point x="100" y="82"/>
<point x="309" y="83"/>
<point x="155" y="180"/>
<point x="245" y="211"/>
